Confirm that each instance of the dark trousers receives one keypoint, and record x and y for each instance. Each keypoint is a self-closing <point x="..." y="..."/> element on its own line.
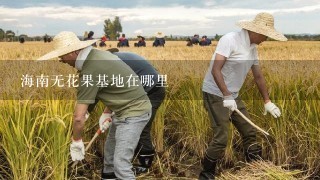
<point x="156" y="96"/>
<point x="221" y="117"/>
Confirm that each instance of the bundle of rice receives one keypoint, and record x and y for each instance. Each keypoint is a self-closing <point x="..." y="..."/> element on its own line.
<point x="261" y="170"/>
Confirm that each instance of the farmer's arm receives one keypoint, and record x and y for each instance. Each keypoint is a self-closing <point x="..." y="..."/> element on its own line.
<point x="261" y="83"/>
<point x="78" y="120"/>
<point x="217" y="75"/>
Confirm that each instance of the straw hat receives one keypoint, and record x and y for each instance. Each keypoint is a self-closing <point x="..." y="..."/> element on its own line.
<point x="263" y="23"/>
<point x="159" y="35"/>
<point x="64" y="43"/>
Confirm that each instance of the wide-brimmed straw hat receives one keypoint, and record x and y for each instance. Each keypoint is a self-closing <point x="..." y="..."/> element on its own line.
<point x="159" y="35"/>
<point x="263" y="23"/>
<point x="64" y="43"/>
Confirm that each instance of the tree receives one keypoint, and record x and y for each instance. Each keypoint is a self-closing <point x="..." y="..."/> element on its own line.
<point x="10" y="34"/>
<point x="217" y="37"/>
<point x="117" y="26"/>
<point x="112" y="28"/>
<point x="1" y="34"/>
<point x="107" y="27"/>
<point x="113" y="33"/>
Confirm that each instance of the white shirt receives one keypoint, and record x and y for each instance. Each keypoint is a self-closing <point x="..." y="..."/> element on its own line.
<point x="82" y="56"/>
<point x="241" y="56"/>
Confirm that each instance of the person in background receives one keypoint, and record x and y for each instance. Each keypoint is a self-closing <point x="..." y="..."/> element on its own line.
<point x="208" y="41"/>
<point x="189" y="42"/>
<point x="103" y="41"/>
<point x="205" y="41"/>
<point x="141" y="42"/>
<point x="46" y="38"/>
<point x="195" y="39"/>
<point x="235" y="54"/>
<point x="21" y="39"/>
<point x="159" y="41"/>
<point x="90" y="37"/>
<point x="123" y="41"/>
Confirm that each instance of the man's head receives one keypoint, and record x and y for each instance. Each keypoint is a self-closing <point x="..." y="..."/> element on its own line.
<point x="256" y="38"/>
<point x="70" y="58"/>
<point x="66" y="46"/>
<point x="261" y="27"/>
<point x="90" y="35"/>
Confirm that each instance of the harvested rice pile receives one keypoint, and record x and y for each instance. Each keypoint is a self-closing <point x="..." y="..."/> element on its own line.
<point x="261" y="170"/>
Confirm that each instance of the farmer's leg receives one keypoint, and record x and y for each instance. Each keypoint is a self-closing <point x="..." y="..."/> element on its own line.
<point x="127" y="137"/>
<point x="145" y="149"/>
<point x="251" y="147"/>
<point x="219" y="117"/>
<point x="109" y="148"/>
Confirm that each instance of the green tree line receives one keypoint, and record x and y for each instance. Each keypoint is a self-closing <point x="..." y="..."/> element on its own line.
<point x="112" y="29"/>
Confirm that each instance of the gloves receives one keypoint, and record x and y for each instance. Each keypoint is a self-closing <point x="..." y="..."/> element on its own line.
<point x="272" y="109"/>
<point x="229" y="102"/>
<point x="77" y="150"/>
<point x="105" y="121"/>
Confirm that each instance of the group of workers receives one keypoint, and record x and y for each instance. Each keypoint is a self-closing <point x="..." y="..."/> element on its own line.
<point x="130" y="110"/>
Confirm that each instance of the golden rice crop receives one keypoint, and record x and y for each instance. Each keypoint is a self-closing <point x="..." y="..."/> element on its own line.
<point x="35" y="130"/>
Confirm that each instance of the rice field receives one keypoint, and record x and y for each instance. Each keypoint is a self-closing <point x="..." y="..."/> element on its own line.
<point x="35" y="123"/>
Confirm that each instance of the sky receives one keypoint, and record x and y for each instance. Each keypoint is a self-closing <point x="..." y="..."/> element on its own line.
<point x="146" y="17"/>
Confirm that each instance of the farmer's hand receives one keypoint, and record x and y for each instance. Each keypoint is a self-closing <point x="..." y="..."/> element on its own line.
<point x="272" y="109"/>
<point x="105" y="121"/>
<point x="229" y="102"/>
<point x="77" y="150"/>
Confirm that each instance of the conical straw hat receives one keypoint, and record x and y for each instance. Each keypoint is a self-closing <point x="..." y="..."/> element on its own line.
<point x="64" y="43"/>
<point x="263" y="23"/>
<point x="159" y="35"/>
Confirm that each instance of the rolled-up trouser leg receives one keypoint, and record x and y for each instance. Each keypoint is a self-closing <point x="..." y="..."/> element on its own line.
<point x="127" y="134"/>
<point x="248" y="133"/>
<point x="219" y="116"/>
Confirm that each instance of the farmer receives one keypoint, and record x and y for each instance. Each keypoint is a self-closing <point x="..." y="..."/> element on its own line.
<point x="159" y="41"/>
<point x="156" y="94"/>
<point x="130" y="104"/>
<point x="205" y="41"/>
<point x="235" y="55"/>
<point x="90" y="37"/>
<point x="195" y="39"/>
<point x="141" y="42"/>
<point x="103" y="41"/>
<point x="123" y="41"/>
<point x="189" y="42"/>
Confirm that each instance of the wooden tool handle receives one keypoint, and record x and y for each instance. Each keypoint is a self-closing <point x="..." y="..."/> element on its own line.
<point x="250" y="122"/>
